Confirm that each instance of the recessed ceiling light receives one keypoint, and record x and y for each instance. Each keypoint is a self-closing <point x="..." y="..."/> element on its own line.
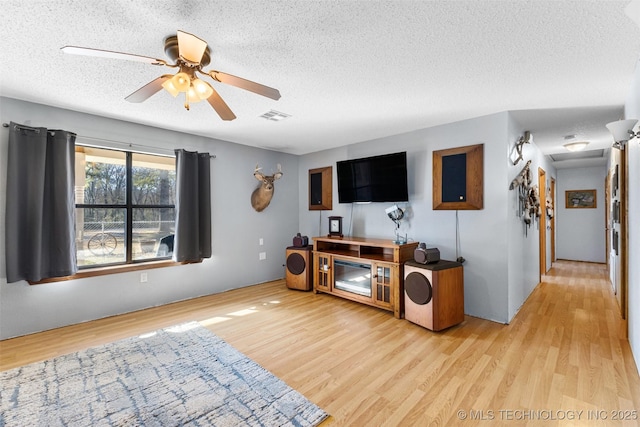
<point x="274" y="115"/>
<point x="576" y="146"/>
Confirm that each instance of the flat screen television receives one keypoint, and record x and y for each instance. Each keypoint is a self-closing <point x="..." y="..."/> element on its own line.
<point x="373" y="179"/>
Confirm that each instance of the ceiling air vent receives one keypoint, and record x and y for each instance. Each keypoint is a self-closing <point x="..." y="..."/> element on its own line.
<point x="275" y="116"/>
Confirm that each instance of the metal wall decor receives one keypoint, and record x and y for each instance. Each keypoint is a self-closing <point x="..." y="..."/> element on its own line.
<point x="549" y="204"/>
<point x="528" y="196"/>
<point x="524" y="139"/>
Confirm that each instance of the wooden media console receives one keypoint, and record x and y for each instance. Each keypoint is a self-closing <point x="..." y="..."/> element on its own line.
<point x="369" y="271"/>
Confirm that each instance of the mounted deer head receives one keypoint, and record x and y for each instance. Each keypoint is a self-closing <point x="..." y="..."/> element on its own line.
<point x="261" y="196"/>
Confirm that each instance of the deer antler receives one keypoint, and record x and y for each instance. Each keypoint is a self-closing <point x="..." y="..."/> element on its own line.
<point x="279" y="173"/>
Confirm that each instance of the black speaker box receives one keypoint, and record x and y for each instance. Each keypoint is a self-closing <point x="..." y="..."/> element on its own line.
<point x="425" y="255"/>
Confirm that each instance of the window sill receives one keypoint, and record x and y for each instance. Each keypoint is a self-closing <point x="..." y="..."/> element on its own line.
<point x="102" y="271"/>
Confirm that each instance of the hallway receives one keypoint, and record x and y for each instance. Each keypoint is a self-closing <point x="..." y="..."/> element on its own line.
<point x="575" y="329"/>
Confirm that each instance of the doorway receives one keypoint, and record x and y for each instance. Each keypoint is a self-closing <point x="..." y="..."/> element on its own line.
<point x="552" y="221"/>
<point x="621" y="296"/>
<point x="542" y="223"/>
<point x="607" y="225"/>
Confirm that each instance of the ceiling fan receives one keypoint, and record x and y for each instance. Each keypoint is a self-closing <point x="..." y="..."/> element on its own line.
<point x="189" y="54"/>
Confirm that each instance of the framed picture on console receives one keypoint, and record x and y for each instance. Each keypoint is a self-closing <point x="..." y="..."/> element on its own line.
<point x="335" y="226"/>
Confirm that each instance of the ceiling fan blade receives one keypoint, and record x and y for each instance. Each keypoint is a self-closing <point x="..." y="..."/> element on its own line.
<point x="220" y="106"/>
<point x="146" y="91"/>
<point x="191" y="47"/>
<point x="87" y="51"/>
<point x="245" y="84"/>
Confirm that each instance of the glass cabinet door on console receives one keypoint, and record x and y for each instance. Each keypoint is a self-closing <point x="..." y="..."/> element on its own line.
<point x="323" y="276"/>
<point x="383" y="283"/>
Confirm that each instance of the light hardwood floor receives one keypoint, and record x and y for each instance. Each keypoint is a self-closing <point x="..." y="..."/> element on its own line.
<point x="563" y="353"/>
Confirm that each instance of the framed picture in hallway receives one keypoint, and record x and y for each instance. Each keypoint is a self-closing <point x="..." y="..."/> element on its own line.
<point x="580" y="199"/>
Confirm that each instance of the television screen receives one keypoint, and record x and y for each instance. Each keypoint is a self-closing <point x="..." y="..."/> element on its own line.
<point x="373" y="179"/>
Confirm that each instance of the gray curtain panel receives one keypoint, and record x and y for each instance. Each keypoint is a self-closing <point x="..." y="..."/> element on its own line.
<point x="40" y="219"/>
<point x="193" y="206"/>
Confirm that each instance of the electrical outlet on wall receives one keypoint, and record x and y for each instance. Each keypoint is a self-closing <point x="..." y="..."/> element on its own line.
<point x="262" y="256"/>
<point x="143" y="278"/>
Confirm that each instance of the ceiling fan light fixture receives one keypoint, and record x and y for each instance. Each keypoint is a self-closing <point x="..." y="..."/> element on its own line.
<point x="202" y="89"/>
<point x="193" y="95"/>
<point x="576" y="146"/>
<point x="189" y="54"/>
<point x="170" y="87"/>
<point x="181" y="81"/>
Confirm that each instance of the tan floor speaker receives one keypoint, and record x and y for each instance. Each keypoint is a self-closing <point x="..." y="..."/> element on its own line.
<point x="434" y="294"/>
<point x="299" y="268"/>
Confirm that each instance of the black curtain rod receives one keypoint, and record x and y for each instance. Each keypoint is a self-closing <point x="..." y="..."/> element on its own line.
<point x="128" y="144"/>
<point x="6" y="125"/>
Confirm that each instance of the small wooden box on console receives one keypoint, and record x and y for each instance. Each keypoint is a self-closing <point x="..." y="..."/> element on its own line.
<point x="386" y="273"/>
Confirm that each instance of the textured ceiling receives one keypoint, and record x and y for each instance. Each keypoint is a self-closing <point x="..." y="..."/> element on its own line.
<point x="348" y="71"/>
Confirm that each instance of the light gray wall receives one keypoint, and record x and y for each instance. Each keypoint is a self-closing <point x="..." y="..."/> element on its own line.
<point x="632" y="111"/>
<point x="615" y="264"/>
<point x="581" y="232"/>
<point x="491" y="284"/>
<point x="498" y="276"/>
<point x="524" y="241"/>
<point x="236" y="229"/>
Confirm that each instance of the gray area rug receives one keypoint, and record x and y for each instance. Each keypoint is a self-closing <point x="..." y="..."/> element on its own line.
<point x="179" y="376"/>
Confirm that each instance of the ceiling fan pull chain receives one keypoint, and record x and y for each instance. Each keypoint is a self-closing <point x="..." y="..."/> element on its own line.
<point x="186" y="100"/>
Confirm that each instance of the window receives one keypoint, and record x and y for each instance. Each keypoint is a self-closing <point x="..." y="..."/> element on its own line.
<point x="125" y="207"/>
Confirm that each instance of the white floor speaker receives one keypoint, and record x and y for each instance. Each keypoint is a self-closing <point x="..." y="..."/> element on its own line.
<point x="434" y="294"/>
